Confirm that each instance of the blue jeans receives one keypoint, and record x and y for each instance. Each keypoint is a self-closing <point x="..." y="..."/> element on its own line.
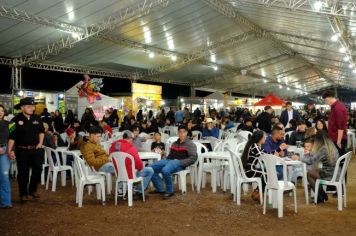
<point x="279" y="169"/>
<point x="5" y="188"/>
<point x="107" y="167"/>
<point x="167" y="167"/>
<point x="147" y="174"/>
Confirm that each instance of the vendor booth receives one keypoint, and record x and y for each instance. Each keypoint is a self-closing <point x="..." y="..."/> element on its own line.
<point x="271" y="100"/>
<point x="99" y="103"/>
<point x="50" y="100"/>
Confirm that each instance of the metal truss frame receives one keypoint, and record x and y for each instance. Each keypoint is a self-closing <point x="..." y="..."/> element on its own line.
<point x="23" y="16"/>
<point x="121" y="17"/>
<point x="260" y="31"/>
<point x="328" y="8"/>
<point x="78" y="69"/>
<point x="204" y="51"/>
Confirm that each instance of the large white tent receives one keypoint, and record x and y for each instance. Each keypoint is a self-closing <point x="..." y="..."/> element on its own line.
<point x="99" y="106"/>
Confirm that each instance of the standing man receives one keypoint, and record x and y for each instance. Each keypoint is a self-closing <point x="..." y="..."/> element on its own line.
<point x="337" y="123"/>
<point x="264" y="120"/>
<point x="288" y="114"/>
<point x="27" y="137"/>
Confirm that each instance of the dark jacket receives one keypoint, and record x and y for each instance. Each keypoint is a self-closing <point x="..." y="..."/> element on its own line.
<point x="186" y="152"/>
<point x="284" y="117"/>
<point x="264" y="122"/>
<point x="296" y="136"/>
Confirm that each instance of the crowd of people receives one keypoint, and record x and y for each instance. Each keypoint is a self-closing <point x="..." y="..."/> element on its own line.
<point x="23" y="137"/>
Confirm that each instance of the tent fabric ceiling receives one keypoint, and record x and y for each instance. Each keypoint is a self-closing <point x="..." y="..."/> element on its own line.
<point x="254" y="47"/>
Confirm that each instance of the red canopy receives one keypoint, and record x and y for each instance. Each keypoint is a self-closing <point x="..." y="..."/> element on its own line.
<point x="270" y="100"/>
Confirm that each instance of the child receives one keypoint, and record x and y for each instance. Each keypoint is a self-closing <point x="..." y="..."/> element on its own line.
<point x="157" y="146"/>
<point x="308" y="146"/>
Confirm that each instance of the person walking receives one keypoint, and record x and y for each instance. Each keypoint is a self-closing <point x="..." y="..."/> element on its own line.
<point x="5" y="189"/>
<point x="26" y="138"/>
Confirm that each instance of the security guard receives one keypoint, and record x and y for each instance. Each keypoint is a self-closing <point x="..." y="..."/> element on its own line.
<point x="26" y="137"/>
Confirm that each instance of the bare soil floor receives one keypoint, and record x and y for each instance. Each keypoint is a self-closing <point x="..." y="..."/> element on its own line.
<point x="206" y="213"/>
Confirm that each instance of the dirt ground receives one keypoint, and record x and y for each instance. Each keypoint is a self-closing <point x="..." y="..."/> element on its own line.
<point x="206" y="213"/>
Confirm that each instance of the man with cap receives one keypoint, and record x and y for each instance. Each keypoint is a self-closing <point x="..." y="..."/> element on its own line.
<point x="210" y="130"/>
<point x="26" y="138"/>
<point x="264" y="120"/>
<point x="182" y="153"/>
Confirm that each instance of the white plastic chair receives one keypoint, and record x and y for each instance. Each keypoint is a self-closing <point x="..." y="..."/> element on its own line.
<point x="119" y="160"/>
<point x="197" y="134"/>
<point x="108" y="178"/>
<point x="338" y="180"/>
<point x="231" y="144"/>
<point x="169" y="143"/>
<point x="84" y="179"/>
<point x="242" y="178"/>
<point x="274" y="186"/>
<point x="55" y="168"/>
<point x="245" y="135"/>
<point x="164" y="137"/>
<point x="192" y="170"/>
<point x="44" y="166"/>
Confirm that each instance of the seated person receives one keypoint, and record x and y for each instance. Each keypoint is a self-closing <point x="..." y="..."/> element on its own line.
<point x="308" y="146"/>
<point x="325" y="152"/>
<point x="299" y="134"/>
<point x="252" y="152"/>
<point x="248" y="125"/>
<point x="93" y="153"/>
<point x="137" y="140"/>
<point x="106" y="128"/>
<point x="125" y="145"/>
<point x="151" y="127"/>
<point x="183" y="153"/>
<point x="52" y="139"/>
<point x="157" y="146"/>
<point x="210" y="130"/>
<point x="275" y="145"/>
<point x="226" y="123"/>
<point x="189" y="125"/>
<point x="292" y="126"/>
<point x="73" y="139"/>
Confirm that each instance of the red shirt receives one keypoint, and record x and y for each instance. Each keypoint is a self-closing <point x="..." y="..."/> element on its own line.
<point x="337" y="120"/>
<point x="124" y="146"/>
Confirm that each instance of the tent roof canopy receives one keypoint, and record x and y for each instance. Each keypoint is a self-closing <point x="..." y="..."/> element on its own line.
<point x="270" y="100"/>
<point x="246" y="46"/>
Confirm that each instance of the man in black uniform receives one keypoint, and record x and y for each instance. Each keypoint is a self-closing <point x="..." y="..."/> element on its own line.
<point x="27" y="138"/>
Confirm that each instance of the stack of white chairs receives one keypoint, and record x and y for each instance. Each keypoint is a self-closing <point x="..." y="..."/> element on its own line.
<point x="119" y="162"/>
<point x="83" y="178"/>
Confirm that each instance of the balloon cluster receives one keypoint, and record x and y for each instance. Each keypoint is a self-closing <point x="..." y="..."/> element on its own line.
<point x="90" y="88"/>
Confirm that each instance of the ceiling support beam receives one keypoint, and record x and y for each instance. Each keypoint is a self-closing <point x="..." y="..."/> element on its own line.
<point x="239" y="19"/>
<point x="305" y="6"/>
<point x="121" y="17"/>
<point x="23" y="16"/>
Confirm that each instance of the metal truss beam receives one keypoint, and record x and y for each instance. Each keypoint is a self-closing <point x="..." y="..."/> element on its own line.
<point x="78" y="69"/>
<point x="202" y="52"/>
<point x="6" y="61"/>
<point x="260" y="31"/>
<point x="98" y="72"/>
<point x="119" y="18"/>
<point x="328" y="8"/>
<point x="23" y="16"/>
<point x="140" y="46"/>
